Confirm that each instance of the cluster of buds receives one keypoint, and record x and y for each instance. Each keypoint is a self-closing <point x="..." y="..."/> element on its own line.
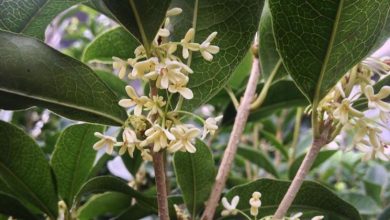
<point x="230" y="208"/>
<point x="154" y="124"/>
<point x="341" y="103"/>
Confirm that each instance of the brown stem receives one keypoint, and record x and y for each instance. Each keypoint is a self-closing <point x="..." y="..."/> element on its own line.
<point x="162" y="197"/>
<point x="238" y="128"/>
<point x="310" y="157"/>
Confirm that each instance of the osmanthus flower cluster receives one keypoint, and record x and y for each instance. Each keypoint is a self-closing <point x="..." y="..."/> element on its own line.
<point x="230" y="208"/>
<point x="154" y="123"/>
<point x="356" y="90"/>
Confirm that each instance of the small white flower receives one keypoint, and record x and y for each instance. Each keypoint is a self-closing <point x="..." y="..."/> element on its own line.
<point x="120" y="65"/>
<point x="255" y="203"/>
<point x="105" y="141"/>
<point x="139" y="52"/>
<point x="318" y="217"/>
<point x="296" y="216"/>
<point x="211" y="126"/>
<point x="375" y="101"/>
<point x="230" y="208"/>
<point x="206" y="49"/>
<point x="158" y="136"/>
<point x="344" y="110"/>
<point x="184" y="135"/>
<point x="187" y="43"/>
<point x="174" y="12"/>
<point x="134" y="100"/>
<point x="145" y="154"/>
<point x="141" y="67"/>
<point x="129" y="142"/>
<point x="154" y="105"/>
<point x="180" y="88"/>
<point x="169" y="72"/>
<point x="163" y="32"/>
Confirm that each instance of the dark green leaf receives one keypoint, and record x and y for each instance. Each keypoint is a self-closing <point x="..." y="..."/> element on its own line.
<point x="132" y="164"/>
<point x="275" y="143"/>
<point x="257" y="157"/>
<point x="281" y="94"/>
<point x="321" y="158"/>
<point x="112" y="184"/>
<point x="373" y="190"/>
<point x="113" y="82"/>
<point x="311" y="197"/>
<point x="236" y="22"/>
<point x="241" y="73"/>
<point x="269" y="57"/>
<point x="195" y="173"/>
<point x="142" y="18"/>
<point x="135" y="212"/>
<point x="385" y="215"/>
<point x="24" y="169"/>
<point x="32" y="73"/>
<point x="31" y="17"/>
<point x="364" y="204"/>
<point x="319" y="41"/>
<point x="9" y="205"/>
<point x="116" y="42"/>
<point x="73" y="158"/>
<point x="109" y="203"/>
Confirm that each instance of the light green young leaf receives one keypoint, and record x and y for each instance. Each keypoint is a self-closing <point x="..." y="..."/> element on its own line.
<point x="142" y="18"/>
<point x="33" y="74"/>
<point x="24" y="169"/>
<point x="319" y="41"/>
<point x="236" y="22"/>
<point x="195" y="173"/>
<point x="31" y="17"/>
<point x="257" y="157"/>
<point x="321" y="158"/>
<point x="116" y="42"/>
<point x="311" y="197"/>
<point x="269" y="57"/>
<point x="73" y="158"/>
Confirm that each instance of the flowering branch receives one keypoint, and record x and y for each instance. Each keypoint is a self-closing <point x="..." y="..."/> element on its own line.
<point x="238" y="128"/>
<point x="162" y="196"/>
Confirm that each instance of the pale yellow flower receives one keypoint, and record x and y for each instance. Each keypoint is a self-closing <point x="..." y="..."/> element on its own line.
<point x="210" y="125"/>
<point x="182" y="89"/>
<point x="296" y="216"/>
<point x="206" y="49"/>
<point x="105" y="141"/>
<point x="134" y="100"/>
<point x="129" y="142"/>
<point x="142" y="67"/>
<point x="157" y="136"/>
<point x="187" y="43"/>
<point x="230" y="208"/>
<point x="375" y="100"/>
<point x="169" y="72"/>
<point x="344" y="110"/>
<point x="154" y="105"/>
<point x="145" y="154"/>
<point x="318" y="217"/>
<point x="120" y="65"/>
<point x="185" y="136"/>
<point x="255" y="203"/>
<point x="174" y="12"/>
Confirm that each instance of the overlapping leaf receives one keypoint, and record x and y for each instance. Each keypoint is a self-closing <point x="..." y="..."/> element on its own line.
<point x="319" y="41"/>
<point x="33" y="74"/>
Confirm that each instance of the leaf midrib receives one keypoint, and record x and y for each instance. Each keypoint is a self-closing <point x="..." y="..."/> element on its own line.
<point x="316" y="98"/>
<point x="56" y="102"/>
<point x="28" y="190"/>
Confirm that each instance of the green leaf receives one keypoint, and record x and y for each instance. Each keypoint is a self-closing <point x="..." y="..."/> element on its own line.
<point x="113" y="82"/>
<point x="24" y="169"/>
<point x="9" y="205"/>
<point x="269" y="57"/>
<point x="282" y="94"/>
<point x="142" y="18"/>
<point x="364" y="204"/>
<point x="116" y="42"/>
<point x="385" y="215"/>
<point x="195" y="173"/>
<point x="236" y="22"/>
<point x="241" y="73"/>
<point x="135" y="212"/>
<point x="373" y="190"/>
<point x="33" y="74"/>
<point x="112" y="184"/>
<point x="319" y="41"/>
<point x="257" y="157"/>
<point x="73" y="158"/>
<point x="321" y="158"/>
<point x="109" y="203"/>
<point x="132" y="164"/>
<point x="311" y="197"/>
<point x="31" y="17"/>
<point x="275" y="143"/>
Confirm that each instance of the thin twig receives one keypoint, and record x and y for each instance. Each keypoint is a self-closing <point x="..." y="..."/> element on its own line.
<point x="303" y="170"/>
<point x="238" y="128"/>
<point x="162" y="197"/>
